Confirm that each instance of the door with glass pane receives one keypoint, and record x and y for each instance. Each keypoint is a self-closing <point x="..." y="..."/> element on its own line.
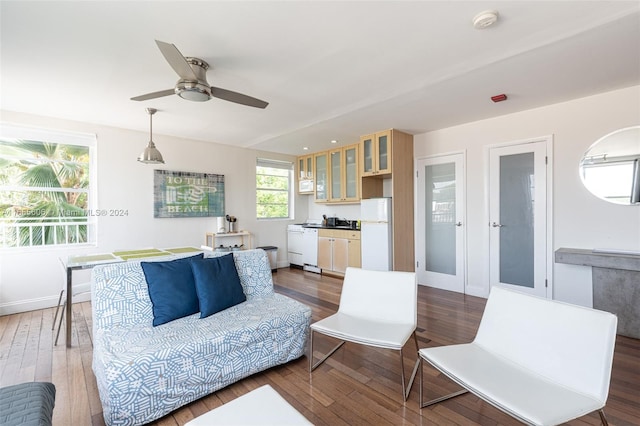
<point x="518" y="217"/>
<point x="440" y="250"/>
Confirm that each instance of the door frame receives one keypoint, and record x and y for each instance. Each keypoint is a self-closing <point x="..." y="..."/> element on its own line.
<point x="465" y="256"/>
<point x="548" y="140"/>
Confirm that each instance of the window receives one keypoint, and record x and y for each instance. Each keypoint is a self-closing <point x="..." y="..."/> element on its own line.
<point x="45" y="188"/>
<point x="273" y="189"/>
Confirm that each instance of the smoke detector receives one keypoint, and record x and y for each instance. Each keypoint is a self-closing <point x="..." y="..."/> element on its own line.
<point x="485" y="19"/>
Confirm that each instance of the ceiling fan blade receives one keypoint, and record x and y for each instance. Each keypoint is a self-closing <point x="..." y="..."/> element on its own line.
<point x="154" y="95"/>
<point x="238" y="98"/>
<point x="176" y="60"/>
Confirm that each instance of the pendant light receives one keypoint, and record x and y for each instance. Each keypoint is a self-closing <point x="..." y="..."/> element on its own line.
<point x="151" y="155"/>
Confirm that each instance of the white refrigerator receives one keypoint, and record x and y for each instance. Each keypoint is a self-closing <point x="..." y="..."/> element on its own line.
<point x="375" y="234"/>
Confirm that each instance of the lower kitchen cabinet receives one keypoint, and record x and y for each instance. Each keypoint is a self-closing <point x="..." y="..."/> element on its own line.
<point x="338" y="249"/>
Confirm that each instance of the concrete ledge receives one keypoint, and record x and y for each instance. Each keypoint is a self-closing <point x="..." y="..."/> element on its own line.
<point x="599" y="259"/>
<point x="616" y="283"/>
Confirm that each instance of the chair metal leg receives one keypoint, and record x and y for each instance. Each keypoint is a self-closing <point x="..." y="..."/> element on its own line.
<point x="313" y="366"/>
<point x="407" y="390"/>
<point x="55" y="317"/>
<point x="60" y="323"/>
<point x="603" y="418"/>
<point x="437" y="400"/>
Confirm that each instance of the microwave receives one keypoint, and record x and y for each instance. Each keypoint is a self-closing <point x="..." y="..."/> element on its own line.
<point x="305" y="186"/>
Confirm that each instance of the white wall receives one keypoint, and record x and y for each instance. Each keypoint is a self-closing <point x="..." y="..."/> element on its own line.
<point x="580" y="220"/>
<point x="343" y="211"/>
<point x="32" y="279"/>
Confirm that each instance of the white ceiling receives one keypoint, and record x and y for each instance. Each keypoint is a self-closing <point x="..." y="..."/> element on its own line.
<point x="330" y="70"/>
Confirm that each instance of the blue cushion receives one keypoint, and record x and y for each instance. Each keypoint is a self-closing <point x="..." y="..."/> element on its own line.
<point x="217" y="284"/>
<point x="171" y="288"/>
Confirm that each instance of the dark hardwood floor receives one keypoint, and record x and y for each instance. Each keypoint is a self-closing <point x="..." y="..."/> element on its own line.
<point x="357" y="386"/>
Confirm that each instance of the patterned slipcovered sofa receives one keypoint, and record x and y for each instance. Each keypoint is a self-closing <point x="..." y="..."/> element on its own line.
<point x="144" y="372"/>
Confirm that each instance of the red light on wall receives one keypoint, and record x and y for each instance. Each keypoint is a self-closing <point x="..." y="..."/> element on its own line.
<point x="499" y="98"/>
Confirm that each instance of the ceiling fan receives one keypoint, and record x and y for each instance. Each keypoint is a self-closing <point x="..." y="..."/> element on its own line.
<point x="193" y="84"/>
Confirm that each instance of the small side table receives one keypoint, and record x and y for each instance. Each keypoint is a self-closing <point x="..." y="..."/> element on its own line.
<point x="244" y="236"/>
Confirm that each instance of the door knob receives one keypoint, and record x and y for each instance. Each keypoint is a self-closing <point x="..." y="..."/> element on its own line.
<point x="496" y="225"/>
<point x="459" y="224"/>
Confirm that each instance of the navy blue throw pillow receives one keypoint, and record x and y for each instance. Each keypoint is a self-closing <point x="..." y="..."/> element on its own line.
<point x="217" y="284"/>
<point x="171" y="288"/>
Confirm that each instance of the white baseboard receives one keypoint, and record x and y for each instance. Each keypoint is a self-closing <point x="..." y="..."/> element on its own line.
<point x="40" y="303"/>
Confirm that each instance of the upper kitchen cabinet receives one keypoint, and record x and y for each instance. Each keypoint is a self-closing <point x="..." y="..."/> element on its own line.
<point x="376" y="153"/>
<point x="385" y="155"/>
<point x="321" y="167"/>
<point x="305" y="175"/>
<point x="344" y="175"/>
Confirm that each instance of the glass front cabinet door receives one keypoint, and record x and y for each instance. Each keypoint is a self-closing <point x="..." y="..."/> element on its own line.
<point x="376" y="153"/>
<point x="383" y="152"/>
<point x="305" y="174"/>
<point x="309" y="169"/>
<point x="305" y="167"/>
<point x="344" y="174"/>
<point x="366" y="146"/>
<point x="351" y="173"/>
<point x="335" y="159"/>
<point x="302" y="167"/>
<point x="322" y="176"/>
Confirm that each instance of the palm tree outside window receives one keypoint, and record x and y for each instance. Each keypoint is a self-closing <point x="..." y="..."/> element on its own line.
<point x="274" y="189"/>
<point x="45" y="181"/>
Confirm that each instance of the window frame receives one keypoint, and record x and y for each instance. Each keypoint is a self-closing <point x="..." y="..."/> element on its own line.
<point x="61" y="137"/>
<point x="276" y="164"/>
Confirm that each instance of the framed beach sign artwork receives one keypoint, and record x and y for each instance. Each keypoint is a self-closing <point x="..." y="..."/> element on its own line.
<point x="187" y="194"/>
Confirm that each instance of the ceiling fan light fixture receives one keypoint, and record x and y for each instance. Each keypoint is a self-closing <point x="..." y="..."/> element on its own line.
<point x="151" y="155"/>
<point x="193" y="91"/>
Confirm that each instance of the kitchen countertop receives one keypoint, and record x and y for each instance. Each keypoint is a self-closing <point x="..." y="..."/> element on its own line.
<point x="343" y="228"/>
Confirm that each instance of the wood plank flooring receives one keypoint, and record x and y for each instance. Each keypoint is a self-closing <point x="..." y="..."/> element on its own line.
<point x="356" y="386"/>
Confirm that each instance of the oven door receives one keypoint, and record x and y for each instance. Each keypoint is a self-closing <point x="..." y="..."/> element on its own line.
<point x="295" y="245"/>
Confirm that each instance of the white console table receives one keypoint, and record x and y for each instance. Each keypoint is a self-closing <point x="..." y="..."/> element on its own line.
<point x="616" y="283"/>
<point x="243" y="236"/>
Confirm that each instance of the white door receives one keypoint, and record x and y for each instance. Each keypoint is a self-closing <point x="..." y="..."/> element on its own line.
<point x="440" y="220"/>
<point x="518" y="217"/>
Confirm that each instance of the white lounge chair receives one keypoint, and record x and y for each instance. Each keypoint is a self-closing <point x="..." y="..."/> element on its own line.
<point x="377" y="308"/>
<point x="541" y="361"/>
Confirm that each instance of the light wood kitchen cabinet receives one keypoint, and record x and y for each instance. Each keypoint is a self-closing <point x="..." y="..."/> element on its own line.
<point x="305" y="174"/>
<point x="305" y="167"/>
<point x="321" y="167"/>
<point x="338" y="249"/>
<point x="376" y="151"/>
<point x="344" y="174"/>
<point x="390" y="174"/>
<point x="354" y="253"/>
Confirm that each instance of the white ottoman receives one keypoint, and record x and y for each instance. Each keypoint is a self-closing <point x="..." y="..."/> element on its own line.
<point x="262" y="406"/>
